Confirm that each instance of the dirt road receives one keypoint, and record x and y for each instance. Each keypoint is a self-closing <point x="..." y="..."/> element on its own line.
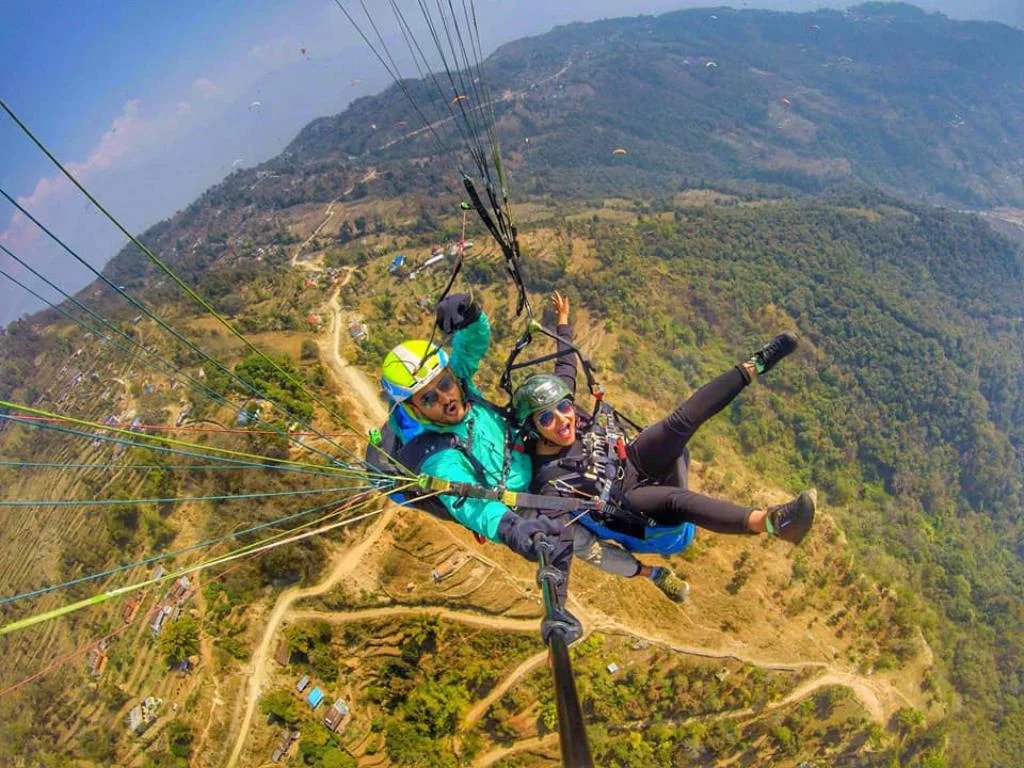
<point x="373" y="413"/>
<point x="262" y="654"/>
<point x="350" y="378"/>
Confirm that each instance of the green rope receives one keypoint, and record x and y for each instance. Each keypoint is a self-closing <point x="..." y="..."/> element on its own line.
<point x="146" y="311"/>
<point x="258" y="460"/>
<point x="169" y="555"/>
<point x="195" y="384"/>
<point x="255" y="549"/>
<point x="170" y="467"/>
<point x="170" y="273"/>
<point x="128" y="502"/>
<point x="335" y="471"/>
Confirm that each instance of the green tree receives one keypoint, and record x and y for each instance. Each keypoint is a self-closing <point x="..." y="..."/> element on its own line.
<point x="179" y="739"/>
<point x="281" y="705"/>
<point x="310" y="350"/>
<point x="179" y="640"/>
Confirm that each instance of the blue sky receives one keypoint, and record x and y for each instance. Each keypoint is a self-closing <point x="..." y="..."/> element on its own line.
<point x="150" y="102"/>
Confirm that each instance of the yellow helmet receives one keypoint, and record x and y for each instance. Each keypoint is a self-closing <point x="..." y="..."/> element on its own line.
<point x="410" y="367"/>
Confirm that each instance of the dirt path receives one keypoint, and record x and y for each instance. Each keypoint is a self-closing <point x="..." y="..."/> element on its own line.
<point x="536" y="743"/>
<point x="328" y="215"/>
<point x="263" y="653"/>
<point x="350" y="378"/>
<point x="483" y="620"/>
<point x="517" y="674"/>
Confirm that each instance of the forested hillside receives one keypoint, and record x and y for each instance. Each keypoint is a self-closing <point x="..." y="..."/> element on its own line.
<point x="913" y="103"/>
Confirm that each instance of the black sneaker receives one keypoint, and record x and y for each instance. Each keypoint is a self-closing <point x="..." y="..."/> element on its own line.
<point x="793" y="520"/>
<point x="767" y="356"/>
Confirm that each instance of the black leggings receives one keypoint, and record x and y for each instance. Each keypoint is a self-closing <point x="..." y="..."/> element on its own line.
<point x="656" y="452"/>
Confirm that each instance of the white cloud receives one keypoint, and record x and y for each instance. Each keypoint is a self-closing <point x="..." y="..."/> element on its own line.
<point x="205" y="88"/>
<point x="131" y="138"/>
<point x="276" y="52"/>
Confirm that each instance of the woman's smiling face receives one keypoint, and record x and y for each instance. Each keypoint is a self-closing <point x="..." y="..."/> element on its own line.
<point x="556" y="423"/>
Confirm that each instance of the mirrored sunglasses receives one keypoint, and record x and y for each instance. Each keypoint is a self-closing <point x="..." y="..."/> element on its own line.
<point x="547" y="417"/>
<point x="445" y="384"/>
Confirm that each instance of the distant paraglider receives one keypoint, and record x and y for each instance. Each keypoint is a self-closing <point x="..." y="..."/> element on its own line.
<point x="255" y="105"/>
<point x="711" y="65"/>
<point x="355" y="82"/>
<point x="457" y="99"/>
<point x="619" y="151"/>
<point x="237" y="163"/>
<point x="784" y="101"/>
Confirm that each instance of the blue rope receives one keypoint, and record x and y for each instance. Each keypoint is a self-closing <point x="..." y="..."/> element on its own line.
<point x="151" y="315"/>
<point x="197" y="386"/>
<point x="172" y="467"/>
<point x="166" y="555"/>
<point x="339" y="469"/>
<point x="126" y="502"/>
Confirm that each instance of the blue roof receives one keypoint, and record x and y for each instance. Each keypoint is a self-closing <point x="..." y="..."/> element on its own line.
<point x="315" y="697"/>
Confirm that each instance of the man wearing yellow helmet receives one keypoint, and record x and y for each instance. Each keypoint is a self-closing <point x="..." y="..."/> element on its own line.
<point x="433" y="393"/>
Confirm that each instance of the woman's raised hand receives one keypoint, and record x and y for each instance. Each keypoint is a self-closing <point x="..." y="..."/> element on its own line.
<point x="561" y="305"/>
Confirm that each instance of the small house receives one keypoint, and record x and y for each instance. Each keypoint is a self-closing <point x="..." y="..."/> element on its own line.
<point x="143" y="715"/>
<point x="612" y="668"/>
<point x="288" y="738"/>
<point x="248" y="415"/>
<point x="358" y="331"/>
<point x="130" y="608"/>
<point x="283" y="653"/>
<point x="303" y="683"/>
<point x="162" y="615"/>
<point x="337" y="716"/>
<point x="432" y="261"/>
<point x="315" y="697"/>
<point x="447" y="568"/>
<point x="314" y="320"/>
<point x="180" y="590"/>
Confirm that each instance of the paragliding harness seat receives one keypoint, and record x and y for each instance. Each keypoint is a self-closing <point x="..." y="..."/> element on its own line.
<point x="603" y="464"/>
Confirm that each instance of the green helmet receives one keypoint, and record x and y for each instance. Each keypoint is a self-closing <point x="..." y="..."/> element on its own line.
<point x="538" y="391"/>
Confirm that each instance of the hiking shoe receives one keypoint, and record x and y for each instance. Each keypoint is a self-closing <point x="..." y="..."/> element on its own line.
<point x="792" y="521"/>
<point x="767" y="356"/>
<point x="675" y="589"/>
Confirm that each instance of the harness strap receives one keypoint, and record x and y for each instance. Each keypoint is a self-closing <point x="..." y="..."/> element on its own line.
<point x="439" y="485"/>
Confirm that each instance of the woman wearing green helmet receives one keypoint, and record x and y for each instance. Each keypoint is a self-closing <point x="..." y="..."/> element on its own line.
<point x="565" y="464"/>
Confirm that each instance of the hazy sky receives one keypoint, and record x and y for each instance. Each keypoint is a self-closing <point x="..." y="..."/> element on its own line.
<point x="150" y="103"/>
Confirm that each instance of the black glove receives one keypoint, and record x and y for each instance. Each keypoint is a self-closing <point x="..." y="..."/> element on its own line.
<point x="455" y="312"/>
<point x="518" y="532"/>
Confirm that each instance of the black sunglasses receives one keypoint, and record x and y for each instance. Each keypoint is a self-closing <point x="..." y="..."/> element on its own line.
<point x="445" y="384"/>
<point x="547" y="417"/>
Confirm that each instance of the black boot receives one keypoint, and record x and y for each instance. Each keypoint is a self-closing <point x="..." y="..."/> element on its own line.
<point x="793" y="520"/>
<point x="767" y="356"/>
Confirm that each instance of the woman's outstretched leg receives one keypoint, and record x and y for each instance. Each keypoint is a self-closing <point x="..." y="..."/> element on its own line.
<point x="668" y="505"/>
<point x="655" y="450"/>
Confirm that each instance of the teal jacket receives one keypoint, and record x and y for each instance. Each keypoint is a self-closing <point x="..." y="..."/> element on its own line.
<point x="489" y="435"/>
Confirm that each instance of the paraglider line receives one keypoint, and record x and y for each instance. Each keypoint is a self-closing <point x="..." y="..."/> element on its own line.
<point x="164" y="555"/>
